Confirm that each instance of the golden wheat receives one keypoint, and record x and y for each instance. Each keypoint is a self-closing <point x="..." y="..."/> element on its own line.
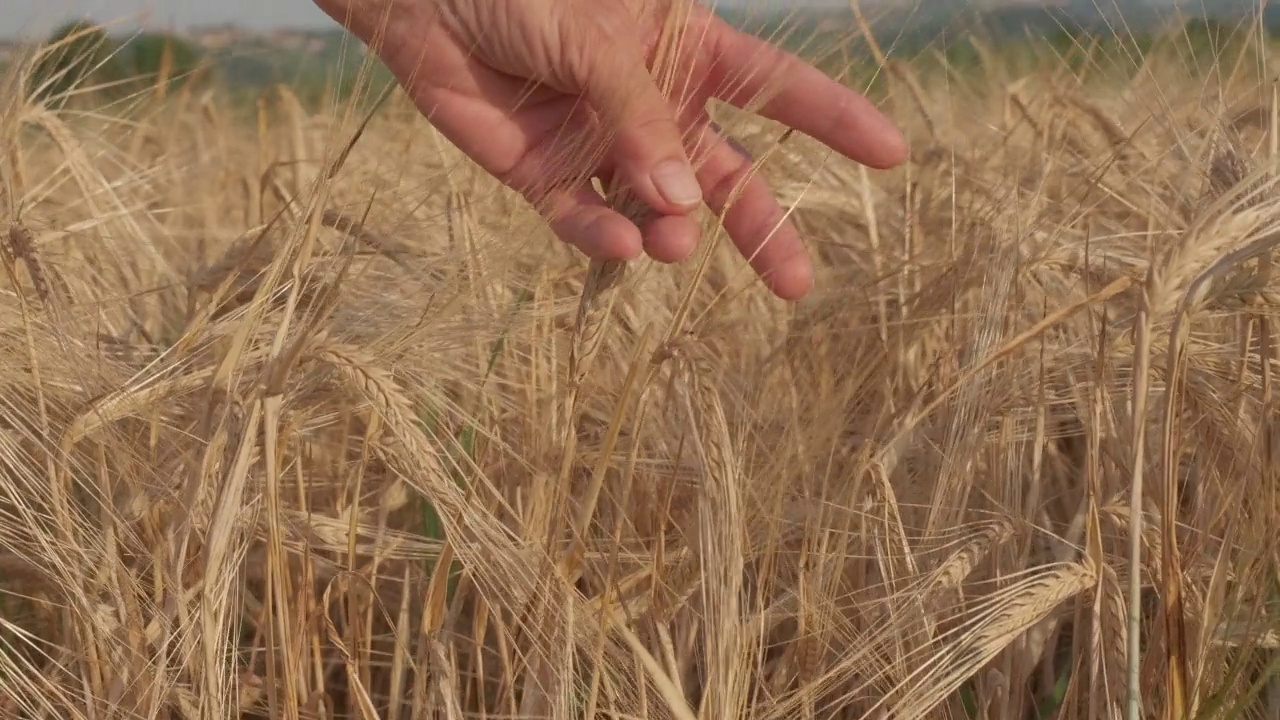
<point x="302" y="416"/>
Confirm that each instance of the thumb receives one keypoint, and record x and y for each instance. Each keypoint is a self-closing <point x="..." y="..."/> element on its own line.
<point x="648" y="150"/>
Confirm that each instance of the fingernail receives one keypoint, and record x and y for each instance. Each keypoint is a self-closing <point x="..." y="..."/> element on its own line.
<point x="677" y="183"/>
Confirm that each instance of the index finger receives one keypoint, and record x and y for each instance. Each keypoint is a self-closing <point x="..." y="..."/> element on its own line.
<point x="743" y="69"/>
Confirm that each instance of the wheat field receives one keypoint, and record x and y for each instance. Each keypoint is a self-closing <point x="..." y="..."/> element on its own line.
<point x="304" y="417"/>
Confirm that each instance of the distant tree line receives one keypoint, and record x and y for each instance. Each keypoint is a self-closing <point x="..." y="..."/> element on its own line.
<point x="81" y="57"/>
<point x="1198" y="42"/>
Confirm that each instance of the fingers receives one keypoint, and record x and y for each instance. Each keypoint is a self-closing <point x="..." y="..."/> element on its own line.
<point x="752" y="217"/>
<point x="743" y="68"/>
<point x="670" y="238"/>
<point x="647" y="144"/>
<point x="754" y="220"/>
<point x="580" y="217"/>
<point x="666" y="238"/>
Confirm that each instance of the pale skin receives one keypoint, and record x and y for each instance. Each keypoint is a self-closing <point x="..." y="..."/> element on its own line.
<point x="515" y="84"/>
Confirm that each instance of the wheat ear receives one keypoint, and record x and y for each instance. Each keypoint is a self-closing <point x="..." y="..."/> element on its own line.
<point x="604" y="277"/>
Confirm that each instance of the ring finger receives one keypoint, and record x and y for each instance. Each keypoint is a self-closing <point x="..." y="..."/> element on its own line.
<point x="754" y="219"/>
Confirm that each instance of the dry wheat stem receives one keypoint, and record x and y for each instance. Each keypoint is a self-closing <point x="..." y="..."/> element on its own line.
<point x="254" y="374"/>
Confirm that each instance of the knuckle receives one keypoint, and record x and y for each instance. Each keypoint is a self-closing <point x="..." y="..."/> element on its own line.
<point x="653" y="121"/>
<point x="595" y="40"/>
<point x="721" y="189"/>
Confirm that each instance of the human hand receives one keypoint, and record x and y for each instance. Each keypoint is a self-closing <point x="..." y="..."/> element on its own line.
<point x="527" y="87"/>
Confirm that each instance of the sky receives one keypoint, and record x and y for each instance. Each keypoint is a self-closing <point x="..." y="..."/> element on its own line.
<point x="37" y="17"/>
